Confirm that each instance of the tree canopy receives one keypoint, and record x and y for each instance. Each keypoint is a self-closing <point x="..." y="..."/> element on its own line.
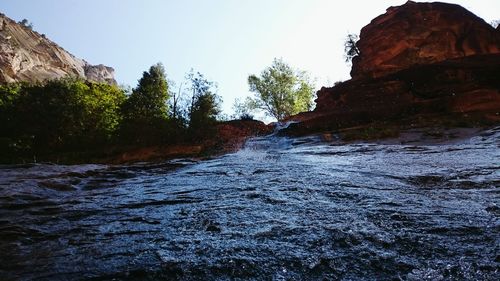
<point x="205" y="104"/>
<point x="72" y="116"/>
<point x="26" y="24"/>
<point x="281" y="91"/>
<point x="66" y="114"/>
<point x="145" y="112"/>
<point x="148" y="100"/>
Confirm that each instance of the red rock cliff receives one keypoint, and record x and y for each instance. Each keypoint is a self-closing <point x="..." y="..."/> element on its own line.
<point x="421" y="33"/>
<point x="417" y="60"/>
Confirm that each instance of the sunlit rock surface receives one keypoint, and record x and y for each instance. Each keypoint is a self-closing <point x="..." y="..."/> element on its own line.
<point x="26" y="55"/>
<point x="421" y="33"/>
<point x="416" y="60"/>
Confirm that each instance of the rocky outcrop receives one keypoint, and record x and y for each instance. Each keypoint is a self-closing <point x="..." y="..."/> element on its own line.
<point x="229" y="137"/>
<point x="100" y="73"/>
<point x="26" y="55"/>
<point x="421" y="33"/>
<point x="417" y="60"/>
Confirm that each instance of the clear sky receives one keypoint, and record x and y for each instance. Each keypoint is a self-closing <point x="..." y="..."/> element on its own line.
<point x="226" y="40"/>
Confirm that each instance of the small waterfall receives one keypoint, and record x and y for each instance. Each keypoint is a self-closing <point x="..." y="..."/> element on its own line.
<point x="267" y="146"/>
<point x="282" y="125"/>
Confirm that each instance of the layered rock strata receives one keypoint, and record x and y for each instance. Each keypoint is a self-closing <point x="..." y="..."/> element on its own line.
<point x="26" y="55"/>
<point x="416" y="59"/>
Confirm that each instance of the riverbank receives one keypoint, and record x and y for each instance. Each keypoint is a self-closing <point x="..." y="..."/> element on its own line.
<point x="228" y="137"/>
<point x="283" y="208"/>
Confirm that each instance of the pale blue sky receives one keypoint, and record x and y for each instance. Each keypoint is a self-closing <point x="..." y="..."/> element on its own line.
<point x="224" y="39"/>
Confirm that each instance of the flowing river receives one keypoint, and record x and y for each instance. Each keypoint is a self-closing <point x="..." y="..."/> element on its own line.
<point x="279" y="209"/>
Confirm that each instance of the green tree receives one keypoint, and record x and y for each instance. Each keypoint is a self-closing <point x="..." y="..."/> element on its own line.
<point x="175" y="101"/>
<point x="101" y="104"/>
<point x="26" y="24"/>
<point x="205" y="105"/>
<point x="149" y="100"/>
<point x="281" y="91"/>
<point x="62" y="115"/>
<point x="145" y="112"/>
<point x="350" y="47"/>
<point x="9" y="97"/>
<point x="242" y="109"/>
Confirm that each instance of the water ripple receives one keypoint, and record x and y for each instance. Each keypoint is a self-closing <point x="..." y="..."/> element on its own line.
<point x="280" y="209"/>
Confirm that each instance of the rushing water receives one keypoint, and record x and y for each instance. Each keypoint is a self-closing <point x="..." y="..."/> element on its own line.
<point x="280" y="209"/>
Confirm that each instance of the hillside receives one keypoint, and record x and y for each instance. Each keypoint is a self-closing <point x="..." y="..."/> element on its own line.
<point x="26" y="55"/>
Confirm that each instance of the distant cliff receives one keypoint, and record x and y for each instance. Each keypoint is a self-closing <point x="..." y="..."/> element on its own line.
<point x="26" y="55"/>
<point x="416" y="60"/>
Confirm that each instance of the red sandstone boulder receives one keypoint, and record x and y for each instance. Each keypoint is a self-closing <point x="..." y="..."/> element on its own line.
<point x="452" y="89"/>
<point x="421" y="33"/>
<point x="418" y="61"/>
<point x="231" y="135"/>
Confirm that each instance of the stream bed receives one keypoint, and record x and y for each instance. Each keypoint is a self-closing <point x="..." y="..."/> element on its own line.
<point x="279" y="209"/>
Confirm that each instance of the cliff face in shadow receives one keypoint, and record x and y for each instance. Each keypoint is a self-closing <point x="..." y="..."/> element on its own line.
<point x="417" y="59"/>
<point x="28" y="56"/>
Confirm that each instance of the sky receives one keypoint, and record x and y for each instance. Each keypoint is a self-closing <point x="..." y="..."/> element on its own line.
<point x="226" y="40"/>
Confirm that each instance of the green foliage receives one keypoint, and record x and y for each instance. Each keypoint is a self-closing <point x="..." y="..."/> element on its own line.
<point x="205" y="105"/>
<point x="242" y="109"/>
<point x="149" y="99"/>
<point x="9" y="96"/>
<point x="281" y="91"/>
<point x="77" y="117"/>
<point x="145" y="112"/>
<point x="206" y="109"/>
<point x="101" y="105"/>
<point x="177" y="104"/>
<point x="350" y="48"/>
<point x="60" y="115"/>
<point x="26" y="24"/>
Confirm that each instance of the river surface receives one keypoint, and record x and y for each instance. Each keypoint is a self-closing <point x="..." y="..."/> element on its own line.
<point x="279" y="209"/>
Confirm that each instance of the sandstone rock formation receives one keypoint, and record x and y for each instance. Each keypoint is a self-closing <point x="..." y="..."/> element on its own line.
<point x="229" y="137"/>
<point x="417" y="60"/>
<point x="421" y="33"/>
<point x="26" y="55"/>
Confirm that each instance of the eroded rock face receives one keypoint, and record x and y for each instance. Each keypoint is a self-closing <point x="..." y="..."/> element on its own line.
<point x="419" y="61"/>
<point x="421" y="33"/>
<point x="453" y="89"/>
<point x="26" y="55"/>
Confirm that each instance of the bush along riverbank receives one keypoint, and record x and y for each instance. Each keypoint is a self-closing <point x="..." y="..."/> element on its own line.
<point x="76" y="121"/>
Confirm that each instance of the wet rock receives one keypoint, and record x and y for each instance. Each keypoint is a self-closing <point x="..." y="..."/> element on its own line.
<point x="213" y="228"/>
<point x="211" y="225"/>
<point x="494" y="209"/>
<point x="56" y="185"/>
<point x="231" y="135"/>
<point x="157" y="153"/>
